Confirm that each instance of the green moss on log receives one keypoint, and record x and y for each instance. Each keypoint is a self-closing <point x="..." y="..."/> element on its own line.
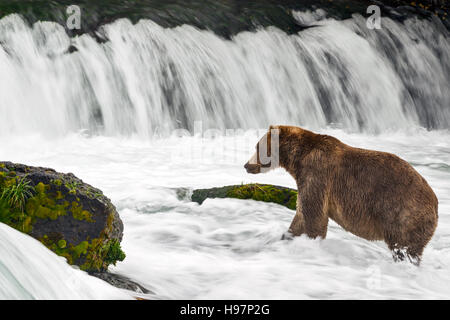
<point x="260" y="192"/>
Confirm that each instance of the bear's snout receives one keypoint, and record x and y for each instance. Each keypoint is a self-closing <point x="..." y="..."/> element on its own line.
<point x="252" y="168"/>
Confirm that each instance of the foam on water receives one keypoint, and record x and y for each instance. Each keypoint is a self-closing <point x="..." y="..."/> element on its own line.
<point x="229" y="248"/>
<point x="28" y="270"/>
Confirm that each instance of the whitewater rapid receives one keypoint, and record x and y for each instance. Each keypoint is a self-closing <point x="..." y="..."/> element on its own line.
<point x="229" y="248"/>
<point x="28" y="270"/>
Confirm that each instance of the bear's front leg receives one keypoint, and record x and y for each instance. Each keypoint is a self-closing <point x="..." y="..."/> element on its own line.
<point x="315" y="217"/>
<point x="310" y="218"/>
<point x="297" y="227"/>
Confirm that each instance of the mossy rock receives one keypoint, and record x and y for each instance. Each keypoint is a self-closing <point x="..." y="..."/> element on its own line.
<point x="70" y="217"/>
<point x="261" y="192"/>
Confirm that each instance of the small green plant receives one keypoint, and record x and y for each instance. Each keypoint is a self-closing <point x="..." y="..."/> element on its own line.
<point x="16" y="195"/>
<point x="5" y="213"/>
<point x="114" y="252"/>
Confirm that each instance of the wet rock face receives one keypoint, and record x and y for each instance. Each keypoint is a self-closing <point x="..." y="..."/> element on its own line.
<point x="70" y="217"/>
<point x="121" y="282"/>
<point x="224" y="17"/>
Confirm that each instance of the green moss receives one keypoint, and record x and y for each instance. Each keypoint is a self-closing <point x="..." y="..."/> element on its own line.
<point x="103" y="251"/>
<point x="94" y="257"/>
<point x="261" y="192"/>
<point x="80" y="249"/>
<point x="27" y="224"/>
<point x="292" y="203"/>
<point x="57" y="182"/>
<point x="11" y="174"/>
<point x="6" y="213"/>
<point x="72" y="186"/>
<point x="100" y="254"/>
<point x="97" y="253"/>
<point x="93" y="194"/>
<point x="44" y="205"/>
<point x="114" y="252"/>
<point x="87" y="250"/>
<point x="52" y="201"/>
<point x="71" y="252"/>
<point x="57" y="244"/>
<point x="62" y="244"/>
<point x="40" y="188"/>
<point x="266" y="193"/>
<point x="80" y="214"/>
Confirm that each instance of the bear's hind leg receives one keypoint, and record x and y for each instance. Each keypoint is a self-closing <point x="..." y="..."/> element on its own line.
<point x="409" y="240"/>
<point x="403" y="249"/>
<point x="419" y="235"/>
<point x="401" y="253"/>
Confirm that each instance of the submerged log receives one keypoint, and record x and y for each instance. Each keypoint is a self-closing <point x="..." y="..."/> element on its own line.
<point x="260" y="192"/>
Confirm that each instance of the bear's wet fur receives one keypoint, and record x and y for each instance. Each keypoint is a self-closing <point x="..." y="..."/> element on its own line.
<point x="374" y="195"/>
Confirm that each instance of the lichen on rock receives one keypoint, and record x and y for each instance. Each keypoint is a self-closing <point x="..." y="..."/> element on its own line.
<point x="70" y="217"/>
<point x="261" y="192"/>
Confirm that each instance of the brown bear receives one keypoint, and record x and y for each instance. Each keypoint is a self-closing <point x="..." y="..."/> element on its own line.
<point x="374" y="195"/>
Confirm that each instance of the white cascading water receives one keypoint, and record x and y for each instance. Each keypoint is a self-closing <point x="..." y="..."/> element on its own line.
<point x="52" y="277"/>
<point x="375" y="89"/>
<point x="148" y="79"/>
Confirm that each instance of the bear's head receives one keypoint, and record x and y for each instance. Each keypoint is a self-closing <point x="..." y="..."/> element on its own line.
<point x="266" y="156"/>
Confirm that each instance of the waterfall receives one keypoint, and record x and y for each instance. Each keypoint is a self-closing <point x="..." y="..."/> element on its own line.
<point x="145" y="78"/>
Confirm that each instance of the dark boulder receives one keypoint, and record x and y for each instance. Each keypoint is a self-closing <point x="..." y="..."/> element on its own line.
<point x="70" y="217"/>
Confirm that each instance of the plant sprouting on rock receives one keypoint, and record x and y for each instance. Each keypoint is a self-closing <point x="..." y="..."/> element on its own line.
<point x="16" y="194"/>
<point x="114" y="252"/>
